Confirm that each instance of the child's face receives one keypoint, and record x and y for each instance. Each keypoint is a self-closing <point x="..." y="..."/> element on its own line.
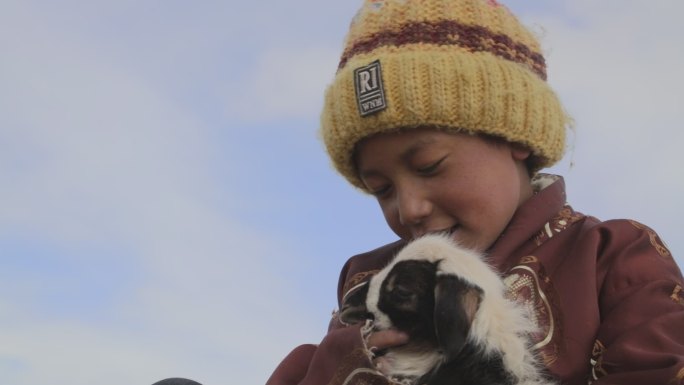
<point x="430" y="181"/>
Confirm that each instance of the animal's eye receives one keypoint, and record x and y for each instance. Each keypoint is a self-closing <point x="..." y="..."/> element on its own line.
<point x="402" y="293"/>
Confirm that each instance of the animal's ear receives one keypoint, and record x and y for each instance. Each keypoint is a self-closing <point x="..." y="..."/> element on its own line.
<point x="353" y="309"/>
<point x="456" y="302"/>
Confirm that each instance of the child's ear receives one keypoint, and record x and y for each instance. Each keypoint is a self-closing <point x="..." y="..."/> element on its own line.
<point x="520" y="152"/>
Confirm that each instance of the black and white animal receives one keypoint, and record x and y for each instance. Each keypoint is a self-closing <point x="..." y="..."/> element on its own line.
<point x="452" y="304"/>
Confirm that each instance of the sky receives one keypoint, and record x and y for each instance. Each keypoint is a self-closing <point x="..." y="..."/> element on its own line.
<point x="167" y="205"/>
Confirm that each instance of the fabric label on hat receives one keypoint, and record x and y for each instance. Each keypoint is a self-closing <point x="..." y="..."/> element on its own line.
<point x="370" y="93"/>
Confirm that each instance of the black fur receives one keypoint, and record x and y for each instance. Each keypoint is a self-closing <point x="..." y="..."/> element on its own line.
<point x="354" y="306"/>
<point x="407" y="297"/>
<point x="470" y="367"/>
<point x="456" y="302"/>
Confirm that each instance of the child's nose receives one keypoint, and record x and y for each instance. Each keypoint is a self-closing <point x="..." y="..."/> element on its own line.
<point x="414" y="208"/>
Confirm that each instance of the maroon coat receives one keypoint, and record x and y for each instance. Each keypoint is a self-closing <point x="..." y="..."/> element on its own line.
<point x="607" y="296"/>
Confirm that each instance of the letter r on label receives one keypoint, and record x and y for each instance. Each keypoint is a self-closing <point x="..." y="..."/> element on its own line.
<point x="368" y="80"/>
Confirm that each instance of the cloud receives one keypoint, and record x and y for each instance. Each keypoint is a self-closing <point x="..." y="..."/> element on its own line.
<point x="99" y="158"/>
<point x="616" y="66"/>
<point x="284" y="83"/>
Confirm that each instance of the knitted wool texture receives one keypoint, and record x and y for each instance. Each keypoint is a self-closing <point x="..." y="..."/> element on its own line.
<point x="456" y="65"/>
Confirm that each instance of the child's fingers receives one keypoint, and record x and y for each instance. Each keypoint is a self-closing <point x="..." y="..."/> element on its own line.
<point x="386" y="339"/>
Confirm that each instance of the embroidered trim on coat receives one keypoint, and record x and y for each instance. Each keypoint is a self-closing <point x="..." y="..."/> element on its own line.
<point x="679" y="378"/>
<point x="355" y="280"/>
<point x="657" y="243"/>
<point x="677" y="295"/>
<point x="596" y="361"/>
<point x="565" y="218"/>
<point x="528" y="285"/>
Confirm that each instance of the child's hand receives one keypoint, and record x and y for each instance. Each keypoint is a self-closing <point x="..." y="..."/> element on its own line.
<point x="385" y="339"/>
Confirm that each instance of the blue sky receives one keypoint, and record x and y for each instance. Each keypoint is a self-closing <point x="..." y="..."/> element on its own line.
<point x="168" y="209"/>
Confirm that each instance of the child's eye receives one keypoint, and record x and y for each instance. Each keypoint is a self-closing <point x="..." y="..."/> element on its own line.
<point x="380" y="192"/>
<point x="430" y="168"/>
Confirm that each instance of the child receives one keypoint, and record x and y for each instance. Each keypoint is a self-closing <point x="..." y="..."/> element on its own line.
<point x="441" y="111"/>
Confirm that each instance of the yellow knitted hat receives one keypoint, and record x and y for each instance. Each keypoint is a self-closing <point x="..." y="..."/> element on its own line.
<point x="458" y="65"/>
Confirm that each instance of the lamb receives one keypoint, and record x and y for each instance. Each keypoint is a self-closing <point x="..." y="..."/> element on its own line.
<point x="452" y="305"/>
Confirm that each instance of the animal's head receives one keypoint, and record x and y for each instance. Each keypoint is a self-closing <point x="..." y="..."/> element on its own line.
<point x="414" y="294"/>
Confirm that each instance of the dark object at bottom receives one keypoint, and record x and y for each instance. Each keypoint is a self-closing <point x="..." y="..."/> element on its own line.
<point x="176" y="381"/>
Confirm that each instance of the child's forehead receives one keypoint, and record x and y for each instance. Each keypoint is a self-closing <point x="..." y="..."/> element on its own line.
<point x="406" y="146"/>
<point x="418" y="137"/>
<point x="408" y="143"/>
<point x="414" y="140"/>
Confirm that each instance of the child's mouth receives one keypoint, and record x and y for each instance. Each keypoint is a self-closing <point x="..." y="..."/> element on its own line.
<point x="449" y="232"/>
<point x="453" y="229"/>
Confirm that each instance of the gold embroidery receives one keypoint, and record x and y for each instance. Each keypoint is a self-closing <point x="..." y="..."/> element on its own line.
<point x="524" y="286"/>
<point x="677" y="295"/>
<point x="520" y="282"/>
<point x="356" y="279"/>
<point x="657" y="243"/>
<point x="528" y="260"/>
<point x="565" y="218"/>
<point x="596" y="361"/>
<point x="679" y="378"/>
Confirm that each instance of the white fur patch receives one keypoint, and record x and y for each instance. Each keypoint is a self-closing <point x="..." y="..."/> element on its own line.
<point x="542" y="181"/>
<point x="401" y="363"/>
